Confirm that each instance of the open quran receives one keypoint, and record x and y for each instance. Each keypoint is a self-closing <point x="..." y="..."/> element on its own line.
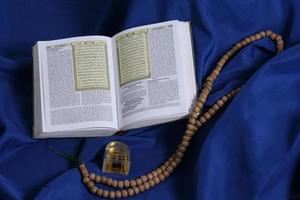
<point x="97" y="85"/>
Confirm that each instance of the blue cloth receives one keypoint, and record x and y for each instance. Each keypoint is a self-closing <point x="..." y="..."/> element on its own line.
<point x="250" y="150"/>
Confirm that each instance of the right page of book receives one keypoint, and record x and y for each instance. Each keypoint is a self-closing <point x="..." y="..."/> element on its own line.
<point x="151" y="83"/>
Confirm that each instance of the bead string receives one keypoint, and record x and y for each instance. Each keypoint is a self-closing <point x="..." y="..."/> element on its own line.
<point x="132" y="187"/>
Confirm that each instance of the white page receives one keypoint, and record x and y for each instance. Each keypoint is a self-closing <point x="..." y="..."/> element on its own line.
<point x="81" y="103"/>
<point x="160" y="91"/>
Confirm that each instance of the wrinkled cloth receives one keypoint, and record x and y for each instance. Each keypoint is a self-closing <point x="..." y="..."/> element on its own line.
<point x="250" y="150"/>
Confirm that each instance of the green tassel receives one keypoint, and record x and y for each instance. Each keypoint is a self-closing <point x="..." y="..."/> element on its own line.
<point x="72" y="158"/>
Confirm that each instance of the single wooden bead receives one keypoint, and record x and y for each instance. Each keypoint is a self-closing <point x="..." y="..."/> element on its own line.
<point x="226" y="57"/>
<point x="278" y="37"/>
<point x="112" y="194"/>
<point x="219" y="65"/>
<point x="239" y="45"/>
<point x="268" y="33"/>
<point x="147" y="185"/>
<point x="186" y="138"/>
<point x="98" y="179"/>
<point x="86" y="180"/>
<point x="161" y="177"/>
<point x="220" y="103"/>
<point x="103" y="179"/>
<point x="163" y="167"/>
<point x="273" y="36"/>
<point x="179" y="154"/>
<point x="198" y="124"/>
<point x="118" y="194"/>
<point x="177" y="160"/>
<point x="209" y="78"/>
<point x="82" y="166"/>
<point x="126" y="183"/>
<point x="211" y="111"/>
<point x="142" y="188"/>
<point x="257" y="36"/>
<point x="207" y="116"/>
<point x="235" y="49"/>
<point x="229" y="53"/>
<point x="144" y="178"/>
<point x="280" y="48"/>
<point x="149" y="176"/>
<point x="181" y="148"/>
<point x="170" y="169"/>
<point x="189" y="133"/>
<point x="166" y="173"/>
<point x="92" y="176"/>
<point x="199" y="103"/>
<point x="194" y="115"/>
<point x="191" y="127"/>
<point x="218" y="68"/>
<point x="216" y="72"/>
<point x="224" y="98"/>
<point x="114" y="183"/>
<point x="202" y="98"/>
<point x="105" y="193"/>
<point x="154" y="173"/>
<point x="202" y="120"/>
<point x="196" y="109"/>
<point x="124" y="193"/>
<point x="213" y="76"/>
<point x="120" y="184"/>
<point x="262" y="33"/>
<point x="109" y="181"/>
<point x="130" y="192"/>
<point x="185" y="143"/>
<point x="206" y="90"/>
<point x="156" y="180"/>
<point x="229" y="95"/>
<point x="216" y="107"/>
<point x="248" y="40"/>
<point x="233" y="92"/>
<point x="152" y="183"/>
<point x="90" y="184"/>
<point x="192" y="120"/>
<point x="252" y="38"/>
<point x="85" y="172"/>
<point x="139" y="181"/>
<point x="158" y="170"/>
<point x="280" y="42"/>
<point x="136" y="190"/>
<point x="132" y="183"/>
<point x="208" y="83"/>
<point x="222" y="62"/>
<point x="244" y="42"/>
<point x="173" y="164"/>
<point x="94" y="189"/>
<point x="99" y="192"/>
<point x="170" y="159"/>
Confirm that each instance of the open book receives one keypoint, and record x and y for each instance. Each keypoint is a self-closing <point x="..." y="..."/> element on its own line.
<point x="97" y="85"/>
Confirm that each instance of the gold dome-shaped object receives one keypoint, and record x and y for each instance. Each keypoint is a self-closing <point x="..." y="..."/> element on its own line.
<point x="116" y="158"/>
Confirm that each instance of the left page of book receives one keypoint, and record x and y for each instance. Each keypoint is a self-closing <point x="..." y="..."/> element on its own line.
<point x="78" y="85"/>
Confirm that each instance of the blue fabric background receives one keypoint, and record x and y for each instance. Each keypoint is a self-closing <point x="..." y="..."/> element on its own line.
<point x="251" y="150"/>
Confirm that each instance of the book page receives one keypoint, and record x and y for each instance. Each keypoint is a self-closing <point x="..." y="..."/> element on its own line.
<point x="78" y="83"/>
<point x="149" y="76"/>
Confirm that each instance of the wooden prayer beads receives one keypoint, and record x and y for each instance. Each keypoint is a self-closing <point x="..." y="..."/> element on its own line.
<point x="132" y="187"/>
